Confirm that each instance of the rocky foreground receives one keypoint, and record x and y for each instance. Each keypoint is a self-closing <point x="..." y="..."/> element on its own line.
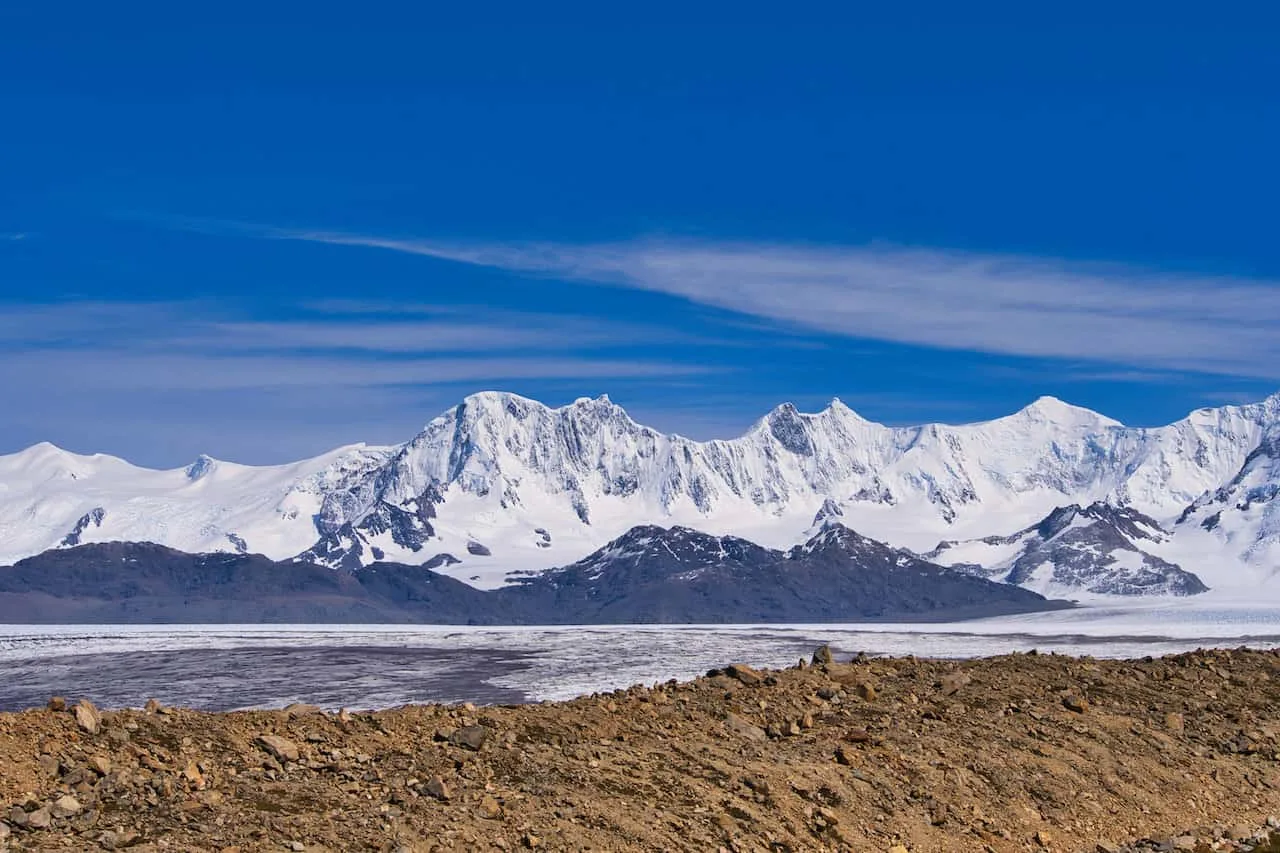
<point x="1024" y="752"/>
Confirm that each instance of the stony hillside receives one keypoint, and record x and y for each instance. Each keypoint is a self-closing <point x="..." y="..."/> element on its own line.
<point x="1025" y="752"/>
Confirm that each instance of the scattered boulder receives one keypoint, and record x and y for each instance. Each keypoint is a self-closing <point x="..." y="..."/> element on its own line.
<point x="88" y="717"/>
<point x="57" y="703"/>
<point x="66" y="806"/>
<point x="745" y="674"/>
<point x="743" y="727"/>
<point x="1074" y="703"/>
<point x="489" y="808"/>
<point x="282" y="749"/>
<point x="41" y="818"/>
<point x="152" y="706"/>
<point x="822" y="655"/>
<point x="439" y="788"/>
<point x="99" y="764"/>
<point x="470" y="737"/>
<point x="299" y="709"/>
<point x="193" y="776"/>
<point x="953" y="682"/>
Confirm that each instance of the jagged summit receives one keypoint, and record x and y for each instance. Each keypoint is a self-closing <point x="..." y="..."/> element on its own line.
<point x="1099" y="549"/>
<point x="508" y="484"/>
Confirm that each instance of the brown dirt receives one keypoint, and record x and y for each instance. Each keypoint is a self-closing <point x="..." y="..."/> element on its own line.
<point x="1010" y="753"/>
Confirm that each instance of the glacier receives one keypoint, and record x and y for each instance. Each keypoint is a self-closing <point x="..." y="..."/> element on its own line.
<point x="506" y="486"/>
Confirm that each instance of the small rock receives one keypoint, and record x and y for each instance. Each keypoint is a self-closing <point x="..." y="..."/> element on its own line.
<point x="193" y="775"/>
<point x="1075" y="703"/>
<point x="57" y="703"/>
<point x="1185" y="842"/>
<point x="532" y="841"/>
<point x="471" y="737"/>
<point x="4" y="831"/>
<point x="100" y="764"/>
<point x="827" y="693"/>
<point x="67" y="806"/>
<point x="844" y="755"/>
<point x="899" y="848"/>
<point x="152" y="706"/>
<point x="438" y="788"/>
<point x="741" y="726"/>
<point x="282" y="749"/>
<point x="344" y="716"/>
<point x="17" y="816"/>
<point x="489" y="808"/>
<point x="866" y="691"/>
<point x="298" y="709"/>
<point x="745" y="674"/>
<point x="953" y="681"/>
<point x="822" y="655"/>
<point x="297" y="846"/>
<point x="88" y="717"/>
<point x="1106" y="847"/>
<point x="1174" y="722"/>
<point x="1043" y="838"/>
<point x="39" y="819"/>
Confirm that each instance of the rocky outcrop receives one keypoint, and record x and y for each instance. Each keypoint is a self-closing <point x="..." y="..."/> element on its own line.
<point x="1098" y="549"/>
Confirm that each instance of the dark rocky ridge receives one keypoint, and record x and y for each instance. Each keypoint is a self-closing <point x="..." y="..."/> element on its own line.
<point x="648" y="575"/>
<point x="1080" y="544"/>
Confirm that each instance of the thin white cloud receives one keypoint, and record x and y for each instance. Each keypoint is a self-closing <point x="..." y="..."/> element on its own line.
<point x="998" y="304"/>
<point x="39" y="371"/>
<point x="153" y="346"/>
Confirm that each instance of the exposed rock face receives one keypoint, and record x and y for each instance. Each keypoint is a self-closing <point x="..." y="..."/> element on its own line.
<point x="654" y="574"/>
<point x="93" y="517"/>
<point x="1096" y="549"/>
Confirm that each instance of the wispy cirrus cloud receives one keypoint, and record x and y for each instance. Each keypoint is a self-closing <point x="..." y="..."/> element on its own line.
<point x="989" y="303"/>
<point x="160" y="382"/>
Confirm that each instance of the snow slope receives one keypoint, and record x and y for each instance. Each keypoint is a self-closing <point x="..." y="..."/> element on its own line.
<point x="50" y="498"/>
<point x="503" y="484"/>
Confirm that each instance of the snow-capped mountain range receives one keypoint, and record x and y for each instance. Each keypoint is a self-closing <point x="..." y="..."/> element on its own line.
<point x="505" y="486"/>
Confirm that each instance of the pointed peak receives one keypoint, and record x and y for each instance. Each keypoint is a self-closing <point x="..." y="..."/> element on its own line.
<point x="1049" y="408"/>
<point x="602" y="401"/>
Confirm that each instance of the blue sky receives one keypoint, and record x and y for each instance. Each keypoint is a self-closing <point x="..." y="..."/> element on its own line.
<point x="269" y="231"/>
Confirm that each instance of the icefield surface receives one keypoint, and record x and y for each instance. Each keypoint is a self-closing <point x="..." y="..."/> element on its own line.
<point x="224" y="667"/>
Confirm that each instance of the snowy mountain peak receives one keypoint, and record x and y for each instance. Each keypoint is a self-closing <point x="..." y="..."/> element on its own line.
<point x="1051" y="410"/>
<point x="1098" y="549"/>
<point x="507" y="484"/>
